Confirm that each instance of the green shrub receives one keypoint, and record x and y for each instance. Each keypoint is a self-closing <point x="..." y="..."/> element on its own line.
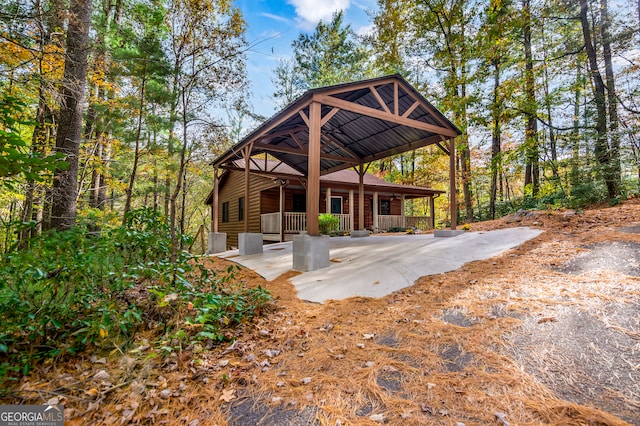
<point x="72" y="289"/>
<point x="328" y="223"/>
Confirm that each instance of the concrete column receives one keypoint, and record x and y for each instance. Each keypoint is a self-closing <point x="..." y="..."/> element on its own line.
<point x="375" y="212"/>
<point x="310" y="252"/>
<point x="217" y="242"/>
<point x="249" y="243"/>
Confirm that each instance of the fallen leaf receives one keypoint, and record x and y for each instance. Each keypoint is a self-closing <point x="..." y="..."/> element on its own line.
<point x="228" y="395"/>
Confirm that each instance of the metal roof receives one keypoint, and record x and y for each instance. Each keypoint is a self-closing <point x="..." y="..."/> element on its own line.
<point x="362" y="121"/>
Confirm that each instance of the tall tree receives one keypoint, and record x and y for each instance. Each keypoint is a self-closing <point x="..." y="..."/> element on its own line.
<point x="532" y="173"/>
<point x="601" y="147"/>
<point x="69" y="131"/>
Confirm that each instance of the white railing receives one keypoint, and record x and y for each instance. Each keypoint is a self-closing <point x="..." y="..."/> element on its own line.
<point x="345" y="222"/>
<point x="386" y="222"/>
<point x="294" y="223"/>
<point x="270" y="223"/>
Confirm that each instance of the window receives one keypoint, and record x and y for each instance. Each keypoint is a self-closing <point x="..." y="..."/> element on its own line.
<point x="241" y="208"/>
<point x="300" y="203"/>
<point x="225" y="211"/>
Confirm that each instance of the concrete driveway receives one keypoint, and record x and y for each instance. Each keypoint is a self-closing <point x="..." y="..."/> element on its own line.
<point x="379" y="265"/>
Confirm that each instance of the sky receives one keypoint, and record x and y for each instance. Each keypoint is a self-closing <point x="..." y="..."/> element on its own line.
<point x="272" y="27"/>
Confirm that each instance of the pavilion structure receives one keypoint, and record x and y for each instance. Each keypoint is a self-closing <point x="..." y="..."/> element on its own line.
<point x="333" y="128"/>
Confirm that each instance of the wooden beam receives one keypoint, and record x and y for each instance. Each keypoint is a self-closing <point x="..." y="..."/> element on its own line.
<point x="247" y="171"/>
<point x="404" y="148"/>
<point x="313" y="169"/>
<point x="396" y="106"/>
<point x="329" y="115"/>
<point x="442" y="148"/>
<point x="233" y="152"/>
<point x="382" y="115"/>
<point x="294" y="151"/>
<point x="341" y="146"/>
<point x="286" y="132"/>
<point x="379" y="99"/>
<point x="297" y="141"/>
<point x="304" y="117"/>
<point x="412" y="108"/>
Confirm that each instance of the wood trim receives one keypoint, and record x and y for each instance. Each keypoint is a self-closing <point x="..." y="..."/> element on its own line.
<point x="382" y="115"/>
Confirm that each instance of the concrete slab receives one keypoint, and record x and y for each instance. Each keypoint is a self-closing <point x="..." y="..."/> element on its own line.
<point x="380" y="265"/>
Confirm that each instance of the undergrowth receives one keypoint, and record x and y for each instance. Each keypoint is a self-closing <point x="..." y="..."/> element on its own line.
<point x="72" y="290"/>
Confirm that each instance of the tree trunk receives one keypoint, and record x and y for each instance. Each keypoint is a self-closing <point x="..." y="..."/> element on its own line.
<point x="176" y="192"/>
<point x="495" y="142"/>
<point x="601" y="148"/>
<point x="532" y="171"/>
<point x="65" y="182"/>
<point x="611" y="94"/>
<point x="136" y="153"/>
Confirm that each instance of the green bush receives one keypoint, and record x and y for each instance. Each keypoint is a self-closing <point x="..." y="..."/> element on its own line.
<point x="328" y="223"/>
<point x="72" y="289"/>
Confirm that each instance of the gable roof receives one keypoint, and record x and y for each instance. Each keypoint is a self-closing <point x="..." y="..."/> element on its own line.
<point x="362" y="121"/>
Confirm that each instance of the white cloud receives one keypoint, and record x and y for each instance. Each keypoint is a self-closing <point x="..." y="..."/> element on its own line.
<point x="310" y="12"/>
<point x="275" y="17"/>
<point x="365" y="30"/>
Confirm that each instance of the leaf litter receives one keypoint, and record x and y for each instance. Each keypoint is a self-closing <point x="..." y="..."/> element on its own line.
<point x="515" y="339"/>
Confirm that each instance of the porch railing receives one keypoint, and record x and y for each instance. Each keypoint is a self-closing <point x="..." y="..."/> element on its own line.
<point x="270" y="223"/>
<point x="295" y="222"/>
<point x="386" y="222"/>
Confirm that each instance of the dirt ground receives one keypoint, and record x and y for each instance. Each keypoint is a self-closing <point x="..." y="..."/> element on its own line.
<point x="546" y="334"/>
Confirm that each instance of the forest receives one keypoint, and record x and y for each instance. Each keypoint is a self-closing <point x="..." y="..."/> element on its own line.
<point x="111" y="106"/>
<point x="110" y="116"/>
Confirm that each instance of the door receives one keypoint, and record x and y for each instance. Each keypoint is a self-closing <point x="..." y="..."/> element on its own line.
<point x="336" y="205"/>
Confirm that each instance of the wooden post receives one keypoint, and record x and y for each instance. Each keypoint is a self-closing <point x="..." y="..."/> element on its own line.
<point x="247" y="170"/>
<point x="351" y="211"/>
<point x="313" y="169"/>
<point x="402" y="214"/>
<point x="361" y="196"/>
<point x="432" y="209"/>
<point x="375" y="212"/>
<point x="452" y="184"/>
<point x="281" y="212"/>
<point x="215" y="203"/>
<point x="328" y="201"/>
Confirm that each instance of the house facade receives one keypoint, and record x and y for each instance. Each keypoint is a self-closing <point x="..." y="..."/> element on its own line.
<point x="277" y="208"/>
